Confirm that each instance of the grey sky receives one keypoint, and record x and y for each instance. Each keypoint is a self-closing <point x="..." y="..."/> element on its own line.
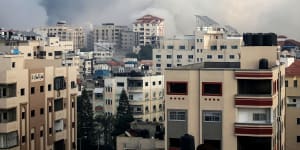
<point x="280" y="16"/>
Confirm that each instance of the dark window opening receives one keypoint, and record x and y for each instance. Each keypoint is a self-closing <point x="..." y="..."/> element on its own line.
<point x="120" y="84"/>
<point x="177" y="88"/>
<point x="173" y="142"/>
<point x="254" y="86"/>
<point x="214" y="144"/>
<point x="295" y="83"/>
<point x="32" y="90"/>
<point x="59" y="83"/>
<point x="42" y="111"/>
<point x="253" y="143"/>
<point x="212" y="88"/>
<point x="49" y="87"/>
<point x="22" y="91"/>
<point x="58" y="104"/>
<point x="41" y="89"/>
<point x="32" y="113"/>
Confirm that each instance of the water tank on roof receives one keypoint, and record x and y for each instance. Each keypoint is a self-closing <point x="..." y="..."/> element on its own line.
<point x="263" y="63"/>
<point x="15" y="51"/>
<point x="258" y="39"/>
<point x="247" y="38"/>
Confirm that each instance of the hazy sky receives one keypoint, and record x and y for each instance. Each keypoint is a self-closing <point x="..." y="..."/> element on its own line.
<point x="280" y="16"/>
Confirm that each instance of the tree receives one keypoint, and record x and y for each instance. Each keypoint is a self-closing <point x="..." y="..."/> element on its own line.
<point x="145" y="53"/>
<point x="85" y="121"/>
<point x="105" y="127"/>
<point x="132" y="55"/>
<point x="124" y="115"/>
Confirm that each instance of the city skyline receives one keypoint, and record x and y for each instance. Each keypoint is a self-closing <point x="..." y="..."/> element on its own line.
<point x="269" y="16"/>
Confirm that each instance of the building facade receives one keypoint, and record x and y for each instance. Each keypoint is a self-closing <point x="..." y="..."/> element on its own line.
<point x="145" y="94"/>
<point x="209" y="44"/>
<point x="149" y="30"/>
<point x="228" y="105"/>
<point x="38" y="104"/>
<point x="293" y="106"/>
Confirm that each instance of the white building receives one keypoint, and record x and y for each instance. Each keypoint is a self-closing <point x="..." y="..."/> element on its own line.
<point x="145" y="95"/>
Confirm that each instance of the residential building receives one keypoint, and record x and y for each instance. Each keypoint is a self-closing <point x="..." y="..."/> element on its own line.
<point x="111" y="33"/>
<point x="149" y="30"/>
<point x="292" y="115"/>
<point x="229" y="105"/>
<point x="209" y="44"/>
<point x="145" y="94"/>
<point x="38" y="104"/>
<point x="64" y="32"/>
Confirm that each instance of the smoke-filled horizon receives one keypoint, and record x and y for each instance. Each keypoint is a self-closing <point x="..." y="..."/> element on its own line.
<point x="279" y="16"/>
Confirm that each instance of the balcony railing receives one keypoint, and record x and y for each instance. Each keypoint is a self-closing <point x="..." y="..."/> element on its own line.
<point x="253" y="100"/>
<point x="253" y="129"/>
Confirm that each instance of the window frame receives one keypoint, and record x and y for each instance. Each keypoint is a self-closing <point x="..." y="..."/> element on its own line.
<point x="210" y="94"/>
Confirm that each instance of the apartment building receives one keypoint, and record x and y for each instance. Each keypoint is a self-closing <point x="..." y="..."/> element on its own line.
<point x="293" y="106"/>
<point x="111" y="33"/>
<point x="208" y="44"/>
<point x="38" y="104"/>
<point x="229" y="105"/>
<point x="145" y="94"/>
<point x="149" y="30"/>
<point x="64" y="32"/>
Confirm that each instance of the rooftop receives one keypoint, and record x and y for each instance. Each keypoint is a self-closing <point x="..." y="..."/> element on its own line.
<point x="293" y="69"/>
<point x="149" y="19"/>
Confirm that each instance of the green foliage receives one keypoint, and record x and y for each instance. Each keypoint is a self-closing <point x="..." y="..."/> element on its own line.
<point x="85" y="120"/>
<point x="124" y="115"/>
<point x="105" y="128"/>
<point x="145" y="53"/>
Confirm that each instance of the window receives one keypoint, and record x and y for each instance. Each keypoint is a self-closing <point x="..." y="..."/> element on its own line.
<point x="32" y="113"/>
<point x="32" y="90"/>
<point x="298" y="121"/>
<point x="41" y="111"/>
<point x="234" y="47"/>
<point x="158" y="65"/>
<point x="259" y="117"/>
<point x="213" y="47"/>
<point x="23" y="115"/>
<point x="22" y="91"/>
<point x="295" y="83"/>
<point x="158" y="56"/>
<point x="223" y="47"/>
<point x="73" y="84"/>
<point x="28" y="54"/>
<point x="8" y="140"/>
<point x="153" y="83"/>
<point x="220" y="56"/>
<point x="170" y="47"/>
<point x="298" y="139"/>
<point x="177" y="116"/>
<point x="231" y="56"/>
<point x="58" y="104"/>
<point x="169" y="56"/>
<point x="212" y="116"/>
<point x="177" y="88"/>
<point x="50" y="108"/>
<point x="41" y="133"/>
<point x="23" y="139"/>
<point x="190" y="57"/>
<point x="7" y="115"/>
<point x="50" y="130"/>
<point x="169" y="65"/>
<point x="179" y="56"/>
<point x="49" y="54"/>
<point x="32" y="136"/>
<point x="59" y="83"/>
<point x="209" y="56"/>
<point x="146" y="83"/>
<point x="41" y="89"/>
<point x="59" y="125"/>
<point x="159" y="82"/>
<point x="120" y="84"/>
<point x="181" y="47"/>
<point x="212" y="89"/>
<point x="178" y="65"/>
<point x="49" y="87"/>
<point x="13" y="64"/>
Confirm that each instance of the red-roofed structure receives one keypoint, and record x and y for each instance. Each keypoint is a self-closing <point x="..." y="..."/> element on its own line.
<point x="293" y="69"/>
<point x="149" y="19"/>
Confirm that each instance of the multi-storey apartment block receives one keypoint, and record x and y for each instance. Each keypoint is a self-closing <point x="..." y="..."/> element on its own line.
<point x="149" y="30"/>
<point x="209" y="44"/>
<point x="64" y="32"/>
<point x="38" y="104"/>
<point x="111" y="33"/>
<point x="145" y="94"/>
<point x="229" y="105"/>
<point x="292" y="115"/>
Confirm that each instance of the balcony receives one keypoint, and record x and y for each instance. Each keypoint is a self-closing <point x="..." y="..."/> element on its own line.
<point x="135" y="89"/>
<point x="248" y="129"/>
<point x="253" y="100"/>
<point x="253" y="74"/>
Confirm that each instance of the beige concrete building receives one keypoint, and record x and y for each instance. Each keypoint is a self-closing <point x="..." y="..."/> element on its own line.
<point x="293" y="106"/>
<point x="149" y="30"/>
<point x="38" y="104"/>
<point x="145" y="94"/>
<point x="64" y="32"/>
<point x="229" y="105"/>
<point x="209" y="44"/>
